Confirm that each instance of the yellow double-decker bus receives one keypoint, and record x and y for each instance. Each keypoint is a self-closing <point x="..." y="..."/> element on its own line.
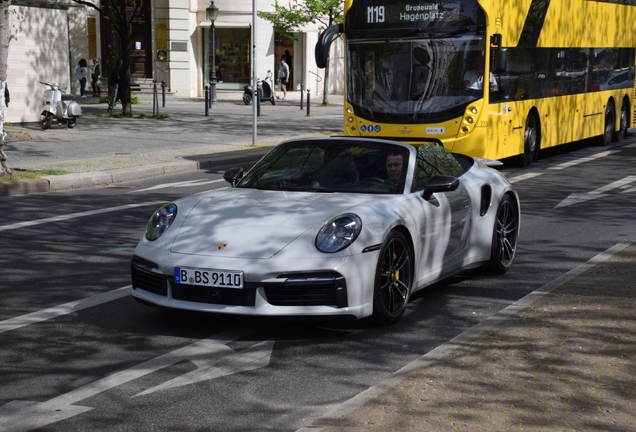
<point x="489" y="78"/>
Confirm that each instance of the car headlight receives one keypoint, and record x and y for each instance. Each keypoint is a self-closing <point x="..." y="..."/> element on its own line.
<point x="338" y="233"/>
<point x="161" y="221"/>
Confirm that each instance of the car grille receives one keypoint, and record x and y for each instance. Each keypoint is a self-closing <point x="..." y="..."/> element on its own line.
<point x="144" y="278"/>
<point x="315" y="289"/>
<point x="222" y="296"/>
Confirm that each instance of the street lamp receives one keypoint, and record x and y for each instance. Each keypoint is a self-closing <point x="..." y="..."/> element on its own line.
<point x="212" y="12"/>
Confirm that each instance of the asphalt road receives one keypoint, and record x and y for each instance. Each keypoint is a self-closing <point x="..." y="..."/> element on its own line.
<point x="78" y="353"/>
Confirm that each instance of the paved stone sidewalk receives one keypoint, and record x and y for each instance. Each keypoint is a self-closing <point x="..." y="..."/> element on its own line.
<point x="565" y="362"/>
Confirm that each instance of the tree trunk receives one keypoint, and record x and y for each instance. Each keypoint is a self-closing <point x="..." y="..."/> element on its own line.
<point x="124" y="34"/>
<point x="5" y="32"/>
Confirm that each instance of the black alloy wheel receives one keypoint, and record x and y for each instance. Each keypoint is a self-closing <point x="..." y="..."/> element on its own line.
<point x="393" y="279"/>
<point x="505" y="237"/>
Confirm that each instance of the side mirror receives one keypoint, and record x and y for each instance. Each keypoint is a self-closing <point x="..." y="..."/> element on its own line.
<point x="233" y="175"/>
<point x="439" y="183"/>
<point x="321" y="51"/>
<point x="501" y="61"/>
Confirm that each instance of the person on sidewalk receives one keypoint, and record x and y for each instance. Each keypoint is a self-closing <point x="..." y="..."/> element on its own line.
<point x="96" y="78"/>
<point x="283" y="76"/>
<point x="81" y="72"/>
<point x="115" y="81"/>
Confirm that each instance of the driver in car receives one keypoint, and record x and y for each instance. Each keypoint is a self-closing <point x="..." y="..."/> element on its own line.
<point x="394" y="164"/>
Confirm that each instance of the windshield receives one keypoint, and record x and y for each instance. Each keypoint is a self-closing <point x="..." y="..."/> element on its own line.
<point x="419" y="79"/>
<point x="332" y="165"/>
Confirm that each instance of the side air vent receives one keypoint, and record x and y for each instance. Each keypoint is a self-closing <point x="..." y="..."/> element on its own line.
<point x="486" y="199"/>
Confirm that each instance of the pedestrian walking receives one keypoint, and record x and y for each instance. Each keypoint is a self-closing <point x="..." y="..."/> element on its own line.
<point x="96" y="78"/>
<point x="81" y="72"/>
<point x="283" y="76"/>
<point x="114" y="82"/>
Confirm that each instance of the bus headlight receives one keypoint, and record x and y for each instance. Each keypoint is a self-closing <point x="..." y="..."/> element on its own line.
<point x="350" y="119"/>
<point x="470" y="120"/>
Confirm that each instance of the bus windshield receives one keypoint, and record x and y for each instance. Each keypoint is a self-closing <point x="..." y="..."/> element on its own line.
<point x="429" y="78"/>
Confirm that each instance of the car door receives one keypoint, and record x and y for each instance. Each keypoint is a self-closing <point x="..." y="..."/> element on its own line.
<point x="442" y="230"/>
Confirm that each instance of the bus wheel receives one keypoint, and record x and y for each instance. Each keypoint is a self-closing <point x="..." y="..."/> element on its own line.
<point x="608" y="128"/>
<point x="624" y="119"/>
<point x="530" y="142"/>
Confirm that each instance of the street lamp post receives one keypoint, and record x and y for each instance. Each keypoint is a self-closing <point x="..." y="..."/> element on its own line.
<point x="212" y="12"/>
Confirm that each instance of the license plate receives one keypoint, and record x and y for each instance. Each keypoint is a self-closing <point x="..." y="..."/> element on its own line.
<point x="210" y="278"/>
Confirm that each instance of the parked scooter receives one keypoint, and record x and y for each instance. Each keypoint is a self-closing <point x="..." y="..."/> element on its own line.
<point x="264" y="90"/>
<point x="60" y="106"/>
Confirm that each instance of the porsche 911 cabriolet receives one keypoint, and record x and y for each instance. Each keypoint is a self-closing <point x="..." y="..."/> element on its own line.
<point x="344" y="227"/>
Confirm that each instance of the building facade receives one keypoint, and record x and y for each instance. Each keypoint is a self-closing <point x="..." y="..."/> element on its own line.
<point x="173" y="44"/>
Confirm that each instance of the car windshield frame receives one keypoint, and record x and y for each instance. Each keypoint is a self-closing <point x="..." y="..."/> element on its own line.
<point x="330" y="165"/>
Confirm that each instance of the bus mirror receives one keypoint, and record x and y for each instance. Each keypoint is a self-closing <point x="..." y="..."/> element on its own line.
<point x="501" y="60"/>
<point x="324" y="42"/>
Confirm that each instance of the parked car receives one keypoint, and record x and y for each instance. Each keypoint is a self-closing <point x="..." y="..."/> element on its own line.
<point x="344" y="227"/>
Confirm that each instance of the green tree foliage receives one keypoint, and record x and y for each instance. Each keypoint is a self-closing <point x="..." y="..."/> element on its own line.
<point x="290" y="19"/>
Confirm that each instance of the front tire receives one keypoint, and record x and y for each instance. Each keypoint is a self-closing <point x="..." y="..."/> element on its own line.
<point x="608" y="129"/>
<point x="393" y="279"/>
<point x="273" y="100"/>
<point x="46" y="119"/>
<point x="247" y="99"/>
<point x="505" y="236"/>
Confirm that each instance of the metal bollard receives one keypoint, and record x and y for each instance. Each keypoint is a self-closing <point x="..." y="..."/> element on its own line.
<point x="155" y="100"/>
<point x="207" y="110"/>
<point x="302" y="87"/>
<point x="307" y="103"/>
<point x="163" y="93"/>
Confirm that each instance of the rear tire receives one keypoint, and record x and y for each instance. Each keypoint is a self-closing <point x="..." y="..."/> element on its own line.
<point x="608" y="127"/>
<point x="504" y="237"/>
<point x="45" y="120"/>
<point x="72" y="122"/>
<point x="393" y="279"/>
<point x="624" y="122"/>
<point x="531" y="142"/>
<point x="273" y="100"/>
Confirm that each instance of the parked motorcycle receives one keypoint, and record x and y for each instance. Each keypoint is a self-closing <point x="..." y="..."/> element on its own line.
<point x="60" y="106"/>
<point x="265" y="90"/>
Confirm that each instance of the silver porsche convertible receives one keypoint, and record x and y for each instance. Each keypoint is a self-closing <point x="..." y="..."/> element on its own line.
<point x="344" y="227"/>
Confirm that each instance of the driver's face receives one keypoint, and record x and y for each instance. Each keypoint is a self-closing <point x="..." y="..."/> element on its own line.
<point x="394" y="167"/>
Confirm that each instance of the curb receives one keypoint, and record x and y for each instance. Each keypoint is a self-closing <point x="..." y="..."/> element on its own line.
<point x="120" y="175"/>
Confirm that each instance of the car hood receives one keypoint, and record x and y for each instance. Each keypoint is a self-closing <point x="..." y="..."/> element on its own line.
<point x="250" y="223"/>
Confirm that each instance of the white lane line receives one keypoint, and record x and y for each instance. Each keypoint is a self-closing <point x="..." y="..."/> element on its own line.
<point x="524" y="177"/>
<point x="75" y="215"/>
<point x="581" y="160"/>
<point x="630" y="146"/>
<point x="63" y="309"/>
<point x="188" y="183"/>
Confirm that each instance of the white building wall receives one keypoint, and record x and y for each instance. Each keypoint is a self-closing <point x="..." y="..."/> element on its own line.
<point x="49" y="40"/>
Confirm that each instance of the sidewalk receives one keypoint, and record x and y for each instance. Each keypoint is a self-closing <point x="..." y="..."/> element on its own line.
<point x="563" y="358"/>
<point x="100" y="151"/>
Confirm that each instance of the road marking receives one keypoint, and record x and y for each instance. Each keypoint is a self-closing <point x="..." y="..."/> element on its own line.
<point x="63" y="309"/>
<point x="581" y="160"/>
<point x="188" y="183"/>
<point x="630" y="145"/>
<point x="524" y="177"/>
<point x="212" y="356"/>
<point x="75" y="215"/>
<point x="597" y="193"/>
